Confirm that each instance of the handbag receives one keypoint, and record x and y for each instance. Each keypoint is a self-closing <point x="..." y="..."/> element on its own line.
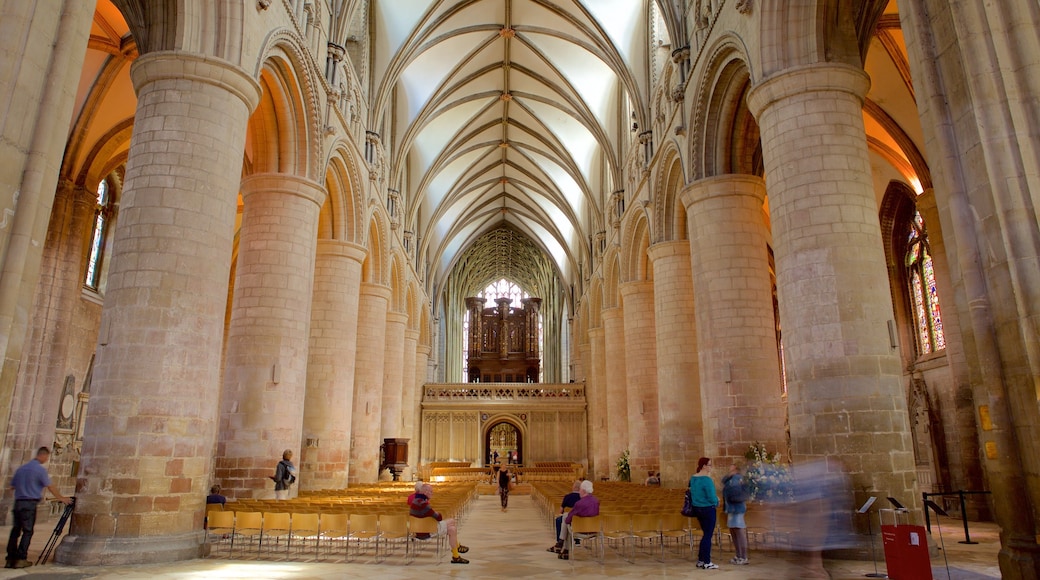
<point x="687" y="506"/>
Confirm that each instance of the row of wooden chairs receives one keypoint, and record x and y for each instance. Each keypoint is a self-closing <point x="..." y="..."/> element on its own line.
<point x="318" y="534"/>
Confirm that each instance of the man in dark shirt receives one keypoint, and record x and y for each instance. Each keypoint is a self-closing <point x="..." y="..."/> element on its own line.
<point x="568" y="502"/>
<point x="215" y="496"/>
<point x="419" y="507"/>
<point x="28" y="482"/>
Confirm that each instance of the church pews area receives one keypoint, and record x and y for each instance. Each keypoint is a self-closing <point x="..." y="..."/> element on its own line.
<point x="634" y="516"/>
<point x="327" y="523"/>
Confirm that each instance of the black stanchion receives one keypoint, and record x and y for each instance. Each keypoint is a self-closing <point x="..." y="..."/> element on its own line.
<point x="58" y="529"/>
<point x="939" y="512"/>
<point x="964" y="518"/>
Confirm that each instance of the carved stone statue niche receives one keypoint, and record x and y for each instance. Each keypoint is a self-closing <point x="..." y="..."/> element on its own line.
<point x="503" y="341"/>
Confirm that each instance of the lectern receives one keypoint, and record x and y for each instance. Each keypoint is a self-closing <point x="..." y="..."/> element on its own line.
<point x="395" y="456"/>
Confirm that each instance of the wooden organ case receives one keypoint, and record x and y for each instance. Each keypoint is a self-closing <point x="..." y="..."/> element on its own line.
<point x="503" y="341"/>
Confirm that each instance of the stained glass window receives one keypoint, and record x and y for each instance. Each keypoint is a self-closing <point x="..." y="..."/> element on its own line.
<point x="924" y="298"/>
<point x="97" y="238"/>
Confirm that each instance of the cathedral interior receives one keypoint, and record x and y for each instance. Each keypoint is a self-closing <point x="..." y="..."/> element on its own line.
<point x="571" y="229"/>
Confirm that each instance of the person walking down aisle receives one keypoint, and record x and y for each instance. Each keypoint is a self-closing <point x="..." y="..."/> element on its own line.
<point x="704" y="499"/>
<point x="505" y="479"/>
<point x="734" y="500"/>
<point x="28" y="482"/>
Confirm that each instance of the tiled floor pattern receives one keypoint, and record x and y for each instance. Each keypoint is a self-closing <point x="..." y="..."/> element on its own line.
<point x="512" y="545"/>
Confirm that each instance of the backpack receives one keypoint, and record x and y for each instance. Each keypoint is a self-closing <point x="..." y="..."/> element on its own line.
<point x="735" y="491"/>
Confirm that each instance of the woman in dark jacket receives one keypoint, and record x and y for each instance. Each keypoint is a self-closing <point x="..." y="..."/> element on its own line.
<point x="504" y="479"/>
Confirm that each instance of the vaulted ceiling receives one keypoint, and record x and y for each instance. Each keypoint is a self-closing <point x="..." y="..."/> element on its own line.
<point x="507" y="112"/>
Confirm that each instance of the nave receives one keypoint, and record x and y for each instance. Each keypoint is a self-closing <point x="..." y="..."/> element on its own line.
<point x="512" y="545"/>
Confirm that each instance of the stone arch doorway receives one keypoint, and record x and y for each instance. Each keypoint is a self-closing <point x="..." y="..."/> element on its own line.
<point x="504" y="437"/>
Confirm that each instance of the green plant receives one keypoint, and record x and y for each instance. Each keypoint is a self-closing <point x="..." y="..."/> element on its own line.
<point x="768" y="478"/>
<point x="624" y="470"/>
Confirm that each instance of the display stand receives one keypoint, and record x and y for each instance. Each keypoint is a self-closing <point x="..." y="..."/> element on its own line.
<point x="865" y="509"/>
<point x="906" y="546"/>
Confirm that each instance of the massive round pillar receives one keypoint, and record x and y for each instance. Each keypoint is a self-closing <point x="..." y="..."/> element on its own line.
<point x="681" y="423"/>
<point x="265" y="368"/>
<point x="328" y="406"/>
<point x="152" y="421"/>
<point x="736" y="325"/>
<point x="368" y="383"/>
<point x="393" y="375"/>
<point x="615" y="379"/>
<point x="846" y="400"/>
<point x="641" y="375"/>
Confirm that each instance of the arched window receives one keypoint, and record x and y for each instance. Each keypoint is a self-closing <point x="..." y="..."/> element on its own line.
<point x="102" y="216"/>
<point x="924" y="299"/>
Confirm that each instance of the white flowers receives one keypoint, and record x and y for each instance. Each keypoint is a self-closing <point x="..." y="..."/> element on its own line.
<point x="768" y="479"/>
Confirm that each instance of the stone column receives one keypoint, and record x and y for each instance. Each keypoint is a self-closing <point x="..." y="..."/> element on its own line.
<point x="45" y="363"/>
<point x="641" y="369"/>
<point x="41" y="54"/>
<point x="408" y="407"/>
<point x="151" y="426"/>
<point x="596" y="397"/>
<point x="265" y="368"/>
<point x="736" y="326"/>
<point x="422" y="362"/>
<point x="330" y="365"/>
<point x="678" y="371"/>
<point x="393" y="375"/>
<point x="845" y="397"/>
<point x="368" y="383"/>
<point x="615" y="379"/>
<point x="956" y="405"/>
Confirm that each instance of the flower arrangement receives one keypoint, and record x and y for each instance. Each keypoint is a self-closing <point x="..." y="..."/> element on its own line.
<point x="624" y="470"/>
<point x="768" y="478"/>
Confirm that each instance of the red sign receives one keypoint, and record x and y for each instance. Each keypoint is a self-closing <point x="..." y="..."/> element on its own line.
<point x="906" y="552"/>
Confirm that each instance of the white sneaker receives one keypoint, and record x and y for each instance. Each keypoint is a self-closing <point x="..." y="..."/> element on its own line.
<point x="743" y="561"/>
<point x="710" y="566"/>
<point x="734" y="560"/>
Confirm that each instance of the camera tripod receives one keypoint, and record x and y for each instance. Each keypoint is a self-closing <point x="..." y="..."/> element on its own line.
<point x="58" y="529"/>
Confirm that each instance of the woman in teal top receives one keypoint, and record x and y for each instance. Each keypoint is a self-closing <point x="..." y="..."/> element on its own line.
<point x="704" y="499"/>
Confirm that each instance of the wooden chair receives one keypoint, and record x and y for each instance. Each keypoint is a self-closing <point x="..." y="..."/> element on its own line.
<point x="617" y="531"/>
<point x="587" y="529"/>
<point x="334" y="527"/>
<point x="647" y="528"/>
<point x="676" y="527"/>
<point x="422" y="529"/>
<point x="393" y="528"/>
<point x="275" y="526"/>
<point x="363" y="528"/>
<point x="304" y="527"/>
<point x="248" y="526"/>
<point x="221" y="529"/>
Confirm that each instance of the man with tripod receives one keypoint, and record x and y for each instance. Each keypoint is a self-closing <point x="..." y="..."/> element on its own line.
<point x="28" y="482"/>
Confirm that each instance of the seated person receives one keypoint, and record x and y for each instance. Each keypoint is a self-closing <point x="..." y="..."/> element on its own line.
<point x="411" y="496"/>
<point x="420" y="508"/>
<point x="215" y="496"/>
<point x="568" y="502"/>
<point x="653" y="478"/>
<point x="586" y="507"/>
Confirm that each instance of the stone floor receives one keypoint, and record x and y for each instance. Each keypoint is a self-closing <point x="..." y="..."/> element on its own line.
<point x="512" y="545"/>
